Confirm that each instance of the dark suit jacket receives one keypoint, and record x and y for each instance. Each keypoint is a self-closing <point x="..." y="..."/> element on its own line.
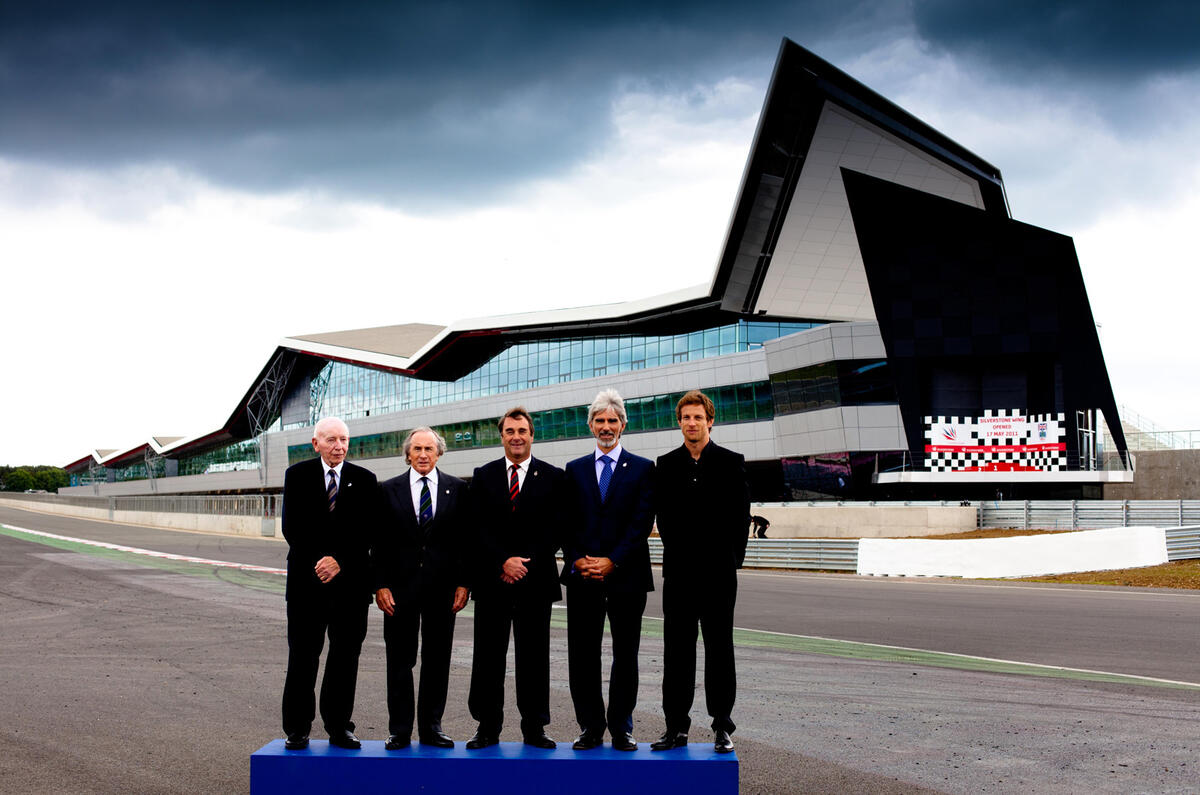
<point x="615" y="528"/>
<point x="405" y="556"/>
<point x="703" y="509"/>
<point x="531" y="531"/>
<point x="313" y="531"/>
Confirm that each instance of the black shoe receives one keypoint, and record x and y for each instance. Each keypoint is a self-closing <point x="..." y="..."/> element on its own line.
<point x="481" y="740"/>
<point x="623" y="741"/>
<point x="397" y="741"/>
<point x="540" y="741"/>
<point x="721" y="742"/>
<point x="670" y="739"/>
<point x="588" y="740"/>
<point x="437" y="739"/>
<point x="343" y="738"/>
<point x="296" y="742"/>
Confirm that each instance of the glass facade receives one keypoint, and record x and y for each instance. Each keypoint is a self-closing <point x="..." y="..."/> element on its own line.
<point x="828" y="384"/>
<point x="95" y="473"/>
<point x="734" y="403"/>
<point x="141" y="470"/>
<point x="230" y="458"/>
<point x="350" y="391"/>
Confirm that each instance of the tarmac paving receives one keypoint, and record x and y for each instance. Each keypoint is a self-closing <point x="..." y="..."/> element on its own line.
<point x="120" y="676"/>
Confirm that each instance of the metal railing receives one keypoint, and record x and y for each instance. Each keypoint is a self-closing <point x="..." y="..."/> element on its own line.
<point x="1180" y="517"/>
<point x="835" y="554"/>
<point x="1087" y="514"/>
<point x="267" y="506"/>
<point x="1183" y="543"/>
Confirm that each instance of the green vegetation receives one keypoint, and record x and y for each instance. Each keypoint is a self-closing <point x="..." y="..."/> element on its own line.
<point x="38" y="478"/>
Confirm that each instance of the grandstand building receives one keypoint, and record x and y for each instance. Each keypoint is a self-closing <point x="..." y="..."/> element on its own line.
<point x="876" y="326"/>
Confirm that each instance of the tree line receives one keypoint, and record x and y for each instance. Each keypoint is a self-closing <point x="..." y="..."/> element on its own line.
<point x="38" y="478"/>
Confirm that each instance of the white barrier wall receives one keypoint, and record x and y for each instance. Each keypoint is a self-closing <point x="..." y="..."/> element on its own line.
<point x="256" y="526"/>
<point x="1020" y="556"/>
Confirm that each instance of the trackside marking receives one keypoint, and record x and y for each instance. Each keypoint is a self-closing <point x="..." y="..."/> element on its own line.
<point x="762" y="638"/>
<point x="148" y="552"/>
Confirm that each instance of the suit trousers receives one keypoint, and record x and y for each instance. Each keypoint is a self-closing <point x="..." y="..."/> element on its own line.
<point x="707" y="603"/>
<point x="345" y="620"/>
<point x="433" y="617"/>
<point x="588" y="603"/>
<point x="529" y="621"/>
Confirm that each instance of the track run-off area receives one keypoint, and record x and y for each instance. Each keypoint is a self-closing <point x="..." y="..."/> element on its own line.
<point x="846" y="683"/>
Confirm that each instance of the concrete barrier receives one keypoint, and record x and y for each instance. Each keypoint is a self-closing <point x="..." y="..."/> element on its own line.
<point x="1019" y="556"/>
<point x="256" y="526"/>
<point x="865" y="521"/>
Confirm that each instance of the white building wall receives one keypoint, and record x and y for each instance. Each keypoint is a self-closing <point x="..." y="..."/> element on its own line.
<point x="816" y="270"/>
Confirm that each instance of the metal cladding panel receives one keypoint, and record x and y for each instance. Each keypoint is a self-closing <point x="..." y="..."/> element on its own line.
<point x="977" y="310"/>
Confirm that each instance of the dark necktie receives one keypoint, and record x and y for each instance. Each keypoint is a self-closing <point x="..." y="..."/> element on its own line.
<point x="605" y="476"/>
<point x="514" y="486"/>
<point x="331" y="492"/>
<point x="426" y="502"/>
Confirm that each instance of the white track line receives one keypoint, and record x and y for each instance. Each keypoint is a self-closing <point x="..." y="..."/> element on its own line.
<point x="150" y="552"/>
<point x="251" y="567"/>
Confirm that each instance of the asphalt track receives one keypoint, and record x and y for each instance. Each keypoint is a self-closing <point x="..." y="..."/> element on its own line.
<point x="122" y="672"/>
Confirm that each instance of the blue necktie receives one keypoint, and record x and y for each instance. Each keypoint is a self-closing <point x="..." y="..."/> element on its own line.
<point x="331" y="492"/>
<point x="605" y="476"/>
<point x="426" y="502"/>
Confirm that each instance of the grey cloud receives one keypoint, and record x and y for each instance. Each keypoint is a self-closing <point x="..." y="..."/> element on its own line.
<point x="1091" y="39"/>
<point x="433" y="102"/>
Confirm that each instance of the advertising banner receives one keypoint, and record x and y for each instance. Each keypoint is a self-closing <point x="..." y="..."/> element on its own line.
<point x="1005" y="440"/>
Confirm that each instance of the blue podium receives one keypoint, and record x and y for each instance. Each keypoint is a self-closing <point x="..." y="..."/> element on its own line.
<point x="504" y="768"/>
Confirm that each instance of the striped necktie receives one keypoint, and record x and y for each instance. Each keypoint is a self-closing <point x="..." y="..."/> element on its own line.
<point x="514" y="486"/>
<point x="332" y="491"/>
<point x="426" y="502"/>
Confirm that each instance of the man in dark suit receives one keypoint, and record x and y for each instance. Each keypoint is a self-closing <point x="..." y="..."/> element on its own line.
<point x="607" y="572"/>
<point x="516" y="504"/>
<point x="703" y="506"/>
<point x="420" y="585"/>
<point x="327" y="516"/>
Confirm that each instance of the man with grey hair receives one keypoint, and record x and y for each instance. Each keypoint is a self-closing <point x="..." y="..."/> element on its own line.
<point x="420" y="581"/>
<point x="328" y="505"/>
<point x="607" y="573"/>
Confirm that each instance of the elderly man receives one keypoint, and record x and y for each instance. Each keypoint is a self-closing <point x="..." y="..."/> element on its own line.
<point x="420" y="585"/>
<point x="703" y="506"/>
<point x="610" y="515"/>
<point x="327" y="516"/>
<point x="516" y="505"/>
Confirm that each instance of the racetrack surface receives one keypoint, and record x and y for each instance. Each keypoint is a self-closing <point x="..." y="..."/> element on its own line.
<point x="122" y="675"/>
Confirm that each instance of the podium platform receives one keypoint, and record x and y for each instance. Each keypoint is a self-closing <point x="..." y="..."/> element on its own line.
<point x="504" y="768"/>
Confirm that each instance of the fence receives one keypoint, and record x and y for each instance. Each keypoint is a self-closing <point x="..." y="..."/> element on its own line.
<point x="832" y="554"/>
<point x="267" y="506"/>
<point x="1088" y="514"/>
<point x="1180" y="517"/>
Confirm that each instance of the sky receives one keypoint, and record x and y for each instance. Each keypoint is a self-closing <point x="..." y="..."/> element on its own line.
<point x="183" y="185"/>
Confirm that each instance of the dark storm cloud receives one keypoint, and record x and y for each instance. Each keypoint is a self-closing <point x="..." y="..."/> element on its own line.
<point x="1104" y="39"/>
<point x="398" y="102"/>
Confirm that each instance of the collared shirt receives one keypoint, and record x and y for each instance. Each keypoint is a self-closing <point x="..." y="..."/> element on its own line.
<point x="522" y="470"/>
<point x="337" y="469"/>
<point x="414" y="484"/>
<point x="614" y="454"/>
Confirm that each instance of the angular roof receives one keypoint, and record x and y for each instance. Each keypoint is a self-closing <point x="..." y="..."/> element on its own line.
<point x="803" y="90"/>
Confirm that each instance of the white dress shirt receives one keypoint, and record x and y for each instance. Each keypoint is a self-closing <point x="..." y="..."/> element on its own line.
<point x="414" y="483"/>
<point x="614" y="454"/>
<point x="522" y="471"/>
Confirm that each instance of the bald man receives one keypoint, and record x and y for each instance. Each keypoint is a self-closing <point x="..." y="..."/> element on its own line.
<point x="327" y="519"/>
